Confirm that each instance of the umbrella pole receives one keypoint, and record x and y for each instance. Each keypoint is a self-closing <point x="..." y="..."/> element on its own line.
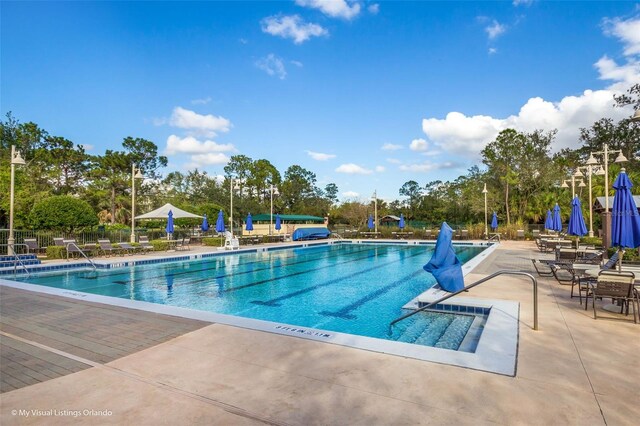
<point x="620" y="255"/>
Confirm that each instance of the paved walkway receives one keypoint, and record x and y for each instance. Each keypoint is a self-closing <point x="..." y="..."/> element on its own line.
<point x="575" y="371"/>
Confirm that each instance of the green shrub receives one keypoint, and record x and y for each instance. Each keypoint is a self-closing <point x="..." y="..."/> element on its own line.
<point x="62" y="213"/>
<point x="212" y="241"/>
<point x="56" y="252"/>
<point x="159" y="245"/>
<point x="592" y="241"/>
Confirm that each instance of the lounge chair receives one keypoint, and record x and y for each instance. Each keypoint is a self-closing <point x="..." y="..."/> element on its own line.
<point x="545" y="270"/>
<point x="74" y="249"/>
<point x="58" y="242"/>
<point x="106" y="247"/>
<point x="145" y="245"/>
<point x="128" y="248"/>
<point x="33" y="246"/>
<point x="520" y="234"/>
<point x="619" y="286"/>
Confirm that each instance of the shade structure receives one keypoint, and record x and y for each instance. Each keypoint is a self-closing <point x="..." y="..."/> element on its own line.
<point x="625" y="222"/>
<point x="220" y="222"/>
<point x="556" y="224"/>
<point x="548" y="223"/>
<point x="401" y="223"/>
<point x="370" y="222"/>
<point x="444" y="264"/>
<point x="162" y="212"/>
<point x="278" y="222"/>
<point x="249" y="224"/>
<point x="169" y="227"/>
<point x="494" y="221"/>
<point x="576" y="220"/>
<point x="205" y="224"/>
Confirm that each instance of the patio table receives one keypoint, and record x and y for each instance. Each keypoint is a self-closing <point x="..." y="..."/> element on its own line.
<point x="613" y="307"/>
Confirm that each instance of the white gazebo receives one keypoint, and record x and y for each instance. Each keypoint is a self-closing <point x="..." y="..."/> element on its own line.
<point x="163" y="213"/>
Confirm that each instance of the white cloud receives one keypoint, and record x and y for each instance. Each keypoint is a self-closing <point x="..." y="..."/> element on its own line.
<point x="493" y="51"/>
<point x="292" y="27"/>
<point x="495" y="29"/>
<point x="418" y="145"/>
<point x="210" y="159"/>
<point x="353" y="169"/>
<point x="523" y="2"/>
<point x="297" y="64"/>
<point x="350" y="194"/>
<point x="272" y="65"/>
<point x="390" y="147"/>
<point x="393" y="161"/>
<point x="628" y="31"/>
<point x="625" y="75"/>
<point x="191" y="145"/>
<point x="319" y="156"/>
<point x="380" y="169"/>
<point x="374" y="9"/>
<point x="87" y="146"/>
<point x="204" y="124"/>
<point x="427" y="167"/>
<point x="202" y="101"/>
<point x="243" y="40"/>
<point x="333" y="8"/>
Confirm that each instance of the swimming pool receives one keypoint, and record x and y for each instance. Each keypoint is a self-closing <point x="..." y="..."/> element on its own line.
<point x="347" y="288"/>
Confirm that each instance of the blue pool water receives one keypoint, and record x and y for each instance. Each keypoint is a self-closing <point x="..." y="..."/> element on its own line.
<point x="348" y="288"/>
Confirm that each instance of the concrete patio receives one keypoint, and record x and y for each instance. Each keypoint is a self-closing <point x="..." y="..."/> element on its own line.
<point x="574" y="370"/>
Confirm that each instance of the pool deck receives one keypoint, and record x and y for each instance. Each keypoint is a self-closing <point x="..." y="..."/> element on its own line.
<point x="120" y="366"/>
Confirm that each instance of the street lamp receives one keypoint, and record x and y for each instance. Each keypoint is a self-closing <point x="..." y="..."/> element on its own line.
<point x="233" y="184"/>
<point x="374" y="197"/>
<point x="591" y="161"/>
<point x="573" y="183"/>
<point x="272" y="191"/>
<point x="136" y="173"/>
<point x="16" y="159"/>
<point x="486" y="217"/>
<point x="590" y="170"/>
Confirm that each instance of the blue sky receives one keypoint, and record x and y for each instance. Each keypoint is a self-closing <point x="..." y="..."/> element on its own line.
<point x="366" y="94"/>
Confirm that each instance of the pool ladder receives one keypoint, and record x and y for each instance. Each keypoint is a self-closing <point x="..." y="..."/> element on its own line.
<point x="485" y="279"/>
<point x="18" y="260"/>
<point x="81" y="252"/>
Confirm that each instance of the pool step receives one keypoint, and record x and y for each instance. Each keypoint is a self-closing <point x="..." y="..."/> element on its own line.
<point x="22" y="257"/>
<point x="10" y="263"/>
<point x="455" y="333"/>
<point x="441" y="330"/>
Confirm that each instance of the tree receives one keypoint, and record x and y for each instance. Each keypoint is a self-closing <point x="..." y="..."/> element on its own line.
<point x="63" y="213"/>
<point x="297" y="188"/>
<point x="412" y="190"/>
<point x="331" y="192"/>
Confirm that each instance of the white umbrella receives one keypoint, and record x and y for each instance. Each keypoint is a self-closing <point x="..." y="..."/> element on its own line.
<point x="163" y="212"/>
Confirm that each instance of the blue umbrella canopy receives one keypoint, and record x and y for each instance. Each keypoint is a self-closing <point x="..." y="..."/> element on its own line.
<point x="205" y="224"/>
<point x="370" y="222"/>
<point x="444" y="264"/>
<point x="557" y="220"/>
<point x="548" y="224"/>
<point x="401" y="224"/>
<point x="576" y="221"/>
<point x="278" y="222"/>
<point x="220" y="222"/>
<point x="169" y="227"/>
<point x="625" y="222"/>
<point x="249" y="225"/>
<point x="494" y="221"/>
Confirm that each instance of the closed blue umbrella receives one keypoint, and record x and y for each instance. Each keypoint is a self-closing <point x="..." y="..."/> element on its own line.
<point x="557" y="220"/>
<point x="444" y="264"/>
<point x="625" y="222"/>
<point x="576" y="221"/>
<point x="169" y="227"/>
<point x="401" y="224"/>
<point x="220" y="222"/>
<point x="249" y="225"/>
<point x="278" y="223"/>
<point x="548" y="224"/>
<point x="370" y="222"/>
<point x="494" y="221"/>
<point x="205" y="224"/>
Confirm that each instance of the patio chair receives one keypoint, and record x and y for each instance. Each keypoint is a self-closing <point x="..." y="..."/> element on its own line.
<point x="145" y="245"/>
<point x="536" y="233"/>
<point x="231" y="243"/>
<point x="618" y="286"/>
<point x="566" y="255"/>
<point x="464" y="234"/>
<point x="128" y="248"/>
<point x="74" y="250"/>
<point x="183" y="244"/>
<point x="613" y="260"/>
<point x="106" y="247"/>
<point x="545" y="270"/>
<point x="520" y="234"/>
<point x="427" y="233"/>
<point x="33" y="246"/>
<point x="58" y="242"/>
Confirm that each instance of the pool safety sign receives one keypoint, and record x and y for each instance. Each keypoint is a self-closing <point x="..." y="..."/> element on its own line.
<point x="299" y="331"/>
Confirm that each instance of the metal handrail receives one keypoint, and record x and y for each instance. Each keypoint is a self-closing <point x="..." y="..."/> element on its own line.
<point x="17" y="257"/>
<point x="81" y="252"/>
<point x="495" y="274"/>
<point x="336" y="235"/>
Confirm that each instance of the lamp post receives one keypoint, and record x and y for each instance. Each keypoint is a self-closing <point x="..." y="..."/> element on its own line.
<point x="581" y="184"/>
<point x="16" y="159"/>
<point x="606" y="222"/>
<point x="590" y="170"/>
<point x="136" y="173"/>
<point x="233" y="184"/>
<point x="486" y="217"/>
<point x="374" y="197"/>
<point x="272" y="191"/>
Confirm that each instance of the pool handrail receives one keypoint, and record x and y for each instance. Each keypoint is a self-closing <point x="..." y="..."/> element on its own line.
<point x="13" y="253"/>
<point x="487" y="278"/>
